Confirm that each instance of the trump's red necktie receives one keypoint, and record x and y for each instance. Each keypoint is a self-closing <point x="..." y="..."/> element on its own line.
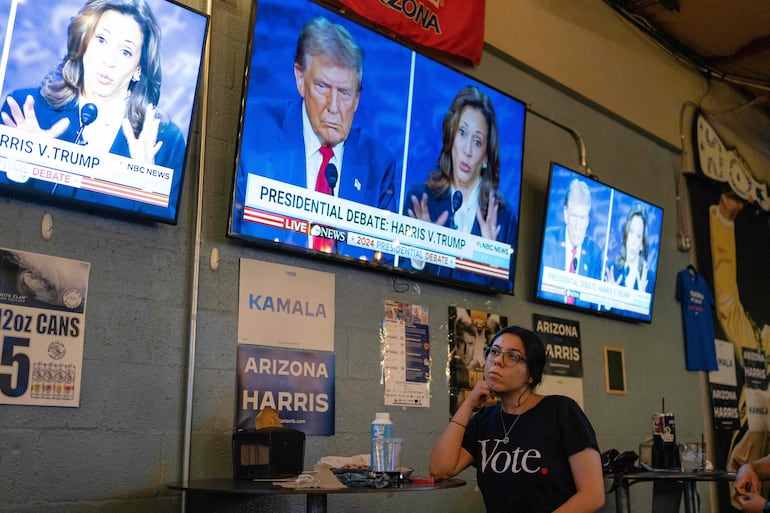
<point x="322" y="186"/>
<point x="572" y="269"/>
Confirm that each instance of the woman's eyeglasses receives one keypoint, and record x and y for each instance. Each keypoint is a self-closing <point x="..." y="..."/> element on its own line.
<point x="509" y="357"/>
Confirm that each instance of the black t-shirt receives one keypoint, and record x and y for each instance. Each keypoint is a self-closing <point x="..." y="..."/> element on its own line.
<point x="531" y="473"/>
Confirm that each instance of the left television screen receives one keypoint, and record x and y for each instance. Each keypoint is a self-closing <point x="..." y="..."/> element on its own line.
<point x="422" y="173"/>
<point x="98" y="99"/>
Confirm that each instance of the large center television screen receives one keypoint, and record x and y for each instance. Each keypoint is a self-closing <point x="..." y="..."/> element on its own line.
<point x="424" y="173"/>
<point x="600" y="248"/>
<point x="97" y="102"/>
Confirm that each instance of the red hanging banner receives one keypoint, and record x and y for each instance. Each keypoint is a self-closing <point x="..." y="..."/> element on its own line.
<point x="455" y="27"/>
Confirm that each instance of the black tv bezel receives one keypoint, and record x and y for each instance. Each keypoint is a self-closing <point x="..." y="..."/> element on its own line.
<point x="126" y="214"/>
<point x="607" y="314"/>
<point x="395" y="272"/>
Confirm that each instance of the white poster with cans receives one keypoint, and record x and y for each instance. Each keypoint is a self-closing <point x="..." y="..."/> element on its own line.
<point x="42" y="322"/>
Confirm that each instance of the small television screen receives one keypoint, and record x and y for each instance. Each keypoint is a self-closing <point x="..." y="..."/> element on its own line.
<point x="600" y="248"/>
<point x="356" y="148"/>
<point x="97" y="102"/>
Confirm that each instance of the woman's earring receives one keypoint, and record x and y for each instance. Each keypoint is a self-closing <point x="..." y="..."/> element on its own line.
<point x="136" y="76"/>
<point x="484" y="166"/>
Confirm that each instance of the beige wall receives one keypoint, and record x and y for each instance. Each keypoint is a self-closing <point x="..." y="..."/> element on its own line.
<point x="588" y="48"/>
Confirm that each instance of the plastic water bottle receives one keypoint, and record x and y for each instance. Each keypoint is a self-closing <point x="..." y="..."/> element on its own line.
<point x="381" y="427"/>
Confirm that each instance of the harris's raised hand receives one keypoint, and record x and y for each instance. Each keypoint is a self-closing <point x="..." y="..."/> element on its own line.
<point x="24" y="118"/>
<point x="145" y="146"/>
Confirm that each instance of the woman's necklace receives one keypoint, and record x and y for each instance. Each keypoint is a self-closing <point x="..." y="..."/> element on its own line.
<point x="507" y="431"/>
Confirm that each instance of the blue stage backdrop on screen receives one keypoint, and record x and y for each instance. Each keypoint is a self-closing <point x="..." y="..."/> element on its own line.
<point x="424" y="173"/>
<point x="113" y="137"/>
<point x="600" y="248"/>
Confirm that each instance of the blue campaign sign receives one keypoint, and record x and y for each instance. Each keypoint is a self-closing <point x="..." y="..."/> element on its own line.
<point x="298" y="384"/>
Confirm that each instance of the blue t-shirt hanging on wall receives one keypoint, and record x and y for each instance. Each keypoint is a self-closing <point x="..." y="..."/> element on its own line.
<point x="697" y="301"/>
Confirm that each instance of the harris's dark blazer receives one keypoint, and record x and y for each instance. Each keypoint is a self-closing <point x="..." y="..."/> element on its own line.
<point x="437" y="205"/>
<point x="272" y="145"/>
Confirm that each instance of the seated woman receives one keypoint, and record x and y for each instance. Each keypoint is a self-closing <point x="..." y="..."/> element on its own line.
<point x="532" y="453"/>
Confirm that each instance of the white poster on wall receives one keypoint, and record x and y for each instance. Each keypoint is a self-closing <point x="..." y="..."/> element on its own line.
<point x="405" y="358"/>
<point x="42" y="323"/>
<point x="285" y="306"/>
<point x="725" y="374"/>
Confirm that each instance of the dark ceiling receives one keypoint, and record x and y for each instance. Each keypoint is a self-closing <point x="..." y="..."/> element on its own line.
<point x="727" y="40"/>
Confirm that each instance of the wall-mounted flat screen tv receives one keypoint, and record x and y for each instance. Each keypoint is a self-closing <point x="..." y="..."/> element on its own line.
<point x="97" y="102"/>
<point x="600" y="248"/>
<point x="356" y="148"/>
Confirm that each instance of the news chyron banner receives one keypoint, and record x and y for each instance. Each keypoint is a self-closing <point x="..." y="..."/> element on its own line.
<point x="64" y="163"/>
<point x="42" y="323"/>
<point x="455" y="27"/>
<point x="563" y="372"/>
<point x="281" y="205"/>
<point x="285" y="346"/>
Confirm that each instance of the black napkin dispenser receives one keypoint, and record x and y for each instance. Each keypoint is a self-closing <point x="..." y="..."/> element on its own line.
<point x="272" y="452"/>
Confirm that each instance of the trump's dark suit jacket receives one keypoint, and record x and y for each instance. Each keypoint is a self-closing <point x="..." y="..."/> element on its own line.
<point x="272" y="145"/>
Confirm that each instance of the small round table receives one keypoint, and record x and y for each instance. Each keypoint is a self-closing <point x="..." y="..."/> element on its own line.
<point x="688" y="479"/>
<point x="316" y="497"/>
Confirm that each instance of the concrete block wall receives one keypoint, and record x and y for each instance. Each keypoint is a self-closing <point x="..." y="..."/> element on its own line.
<point x="117" y="451"/>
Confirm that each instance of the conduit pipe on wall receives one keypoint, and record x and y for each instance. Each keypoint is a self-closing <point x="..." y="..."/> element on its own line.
<point x="193" y="314"/>
<point x="585" y="168"/>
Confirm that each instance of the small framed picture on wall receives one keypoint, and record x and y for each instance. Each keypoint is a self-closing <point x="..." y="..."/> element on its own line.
<point x="614" y="370"/>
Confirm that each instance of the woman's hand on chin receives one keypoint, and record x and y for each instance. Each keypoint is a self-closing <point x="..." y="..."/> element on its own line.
<point x="480" y="394"/>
